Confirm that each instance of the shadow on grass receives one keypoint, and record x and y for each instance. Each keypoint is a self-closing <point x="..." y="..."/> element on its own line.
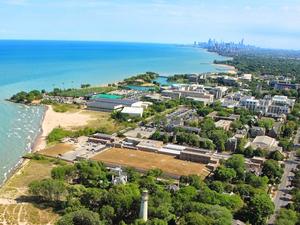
<point x="56" y="207"/>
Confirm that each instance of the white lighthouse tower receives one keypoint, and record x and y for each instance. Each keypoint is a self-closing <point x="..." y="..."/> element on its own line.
<point x="144" y="206"/>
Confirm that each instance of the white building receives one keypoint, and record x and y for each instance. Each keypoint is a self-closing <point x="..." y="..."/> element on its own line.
<point x="133" y="111"/>
<point x="283" y="100"/>
<point x="265" y="142"/>
<point x="249" y="102"/>
<point x="269" y="106"/>
<point x="246" y="77"/>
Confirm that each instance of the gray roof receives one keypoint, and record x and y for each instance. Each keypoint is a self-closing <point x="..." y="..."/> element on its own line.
<point x="127" y="102"/>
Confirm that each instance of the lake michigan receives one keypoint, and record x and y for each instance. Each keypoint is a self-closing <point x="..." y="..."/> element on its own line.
<point x="27" y="65"/>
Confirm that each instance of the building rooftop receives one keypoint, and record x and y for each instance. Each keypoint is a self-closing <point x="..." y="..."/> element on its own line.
<point x="222" y="123"/>
<point x="175" y="147"/>
<point x="116" y="101"/>
<point x="265" y="140"/>
<point x="132" y="110"/>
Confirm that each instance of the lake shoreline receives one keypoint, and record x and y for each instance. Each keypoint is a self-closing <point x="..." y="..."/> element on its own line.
<point x="39" y="142"/>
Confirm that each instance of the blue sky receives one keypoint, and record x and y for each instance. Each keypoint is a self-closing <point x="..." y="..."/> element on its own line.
<point x="266" y="23"/>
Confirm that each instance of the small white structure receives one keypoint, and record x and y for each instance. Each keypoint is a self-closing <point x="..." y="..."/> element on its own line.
<point x="144" y="206"/>
<point x="141" y="104"/>
<point x="120" y="177"/>
<point x="133" y="111"/>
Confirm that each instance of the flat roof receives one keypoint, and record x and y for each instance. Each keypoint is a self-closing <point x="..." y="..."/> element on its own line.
<point x="175" y="147"/>
<point x="169" y="151"/>
<point x="115" y="101"/>
<point x="265" y="139"/>
<point x="132" y="110"/>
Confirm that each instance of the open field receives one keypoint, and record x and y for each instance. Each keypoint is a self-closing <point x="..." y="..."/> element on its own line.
<point x="12" y="209"/>
<point x="148" y="160"/>
<point x="102" y="120"/>
<point x="74" y="120"/>
<point x="59" y="107"/>
<point x="57" y="149"/>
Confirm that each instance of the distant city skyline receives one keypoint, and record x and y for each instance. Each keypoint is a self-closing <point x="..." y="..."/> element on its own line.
<point x="269" y="23"/>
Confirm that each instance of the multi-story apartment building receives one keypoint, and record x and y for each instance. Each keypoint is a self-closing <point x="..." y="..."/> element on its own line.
<point x="271" y="106"/>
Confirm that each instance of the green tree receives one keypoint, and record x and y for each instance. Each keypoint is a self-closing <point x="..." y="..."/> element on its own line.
<point x="276" y="155"/>
<point x="192" y="180"/>
<point x="260" y="208"/>
<point x="257" y="181"/>
<point x="231" y="202"/>
<point x="48" y="189"/>
<point x="182" y="198"/>
<point x="217" y="186"/>
<point x="194" y="218"/>
<point x="224" y="174"/>
<point x="93" y="198"/>
<point x="160" y="205"/>
<point x="272" y="170"/>
<point x="286" y="217"/>
<point x="81" y="217"/>
<point x="286" y="144"/>
<point x="63" y="172"/>
<point x="125" y="200"/>
<point x="266" y="123"/>
<point x="107" y="214"/>
<point x="92" y="174"/>
<point x="219" y="138"/>
<point x="236" y="162"/>
<point x="207" y="125"/>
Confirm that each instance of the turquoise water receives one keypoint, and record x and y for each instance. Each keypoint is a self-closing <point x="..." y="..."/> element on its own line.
<point x="108" y="96"/>
<point x="163" y="81"/>
<point x="139" y="88"/>
<point x="26" y="65"/>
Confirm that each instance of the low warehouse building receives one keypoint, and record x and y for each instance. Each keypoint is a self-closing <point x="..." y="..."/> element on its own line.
<point x="133" y="111"/>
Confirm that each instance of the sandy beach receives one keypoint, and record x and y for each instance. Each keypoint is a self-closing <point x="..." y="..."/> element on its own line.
<point x="67" y="120"/>
<point x="231" y="69"/>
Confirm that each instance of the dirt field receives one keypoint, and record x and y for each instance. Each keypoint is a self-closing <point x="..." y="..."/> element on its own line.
<point x="148" y="160"/>
<point x="57" y="149"/>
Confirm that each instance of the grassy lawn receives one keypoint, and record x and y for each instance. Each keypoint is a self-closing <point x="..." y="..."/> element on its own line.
<point x="28" y="214"/>
<point x="103" y="121"/>
<point x="77" y="92"/>
<point x="13" y="212"/>
<point x="33" y="170"/>
<point x="59" y="107"/>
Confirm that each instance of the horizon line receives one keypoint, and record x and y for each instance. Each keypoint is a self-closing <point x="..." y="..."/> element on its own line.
<point x="136" y="42"/>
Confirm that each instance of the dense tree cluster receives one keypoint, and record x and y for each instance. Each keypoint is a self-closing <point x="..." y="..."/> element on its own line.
<point x="139" y="79"/>
<point x="272" y="170"/>
<point x="27" y="97"/>
<point x="179" y="78"/>
<point x="265" y="64"/>
<point x="84" y="194"/>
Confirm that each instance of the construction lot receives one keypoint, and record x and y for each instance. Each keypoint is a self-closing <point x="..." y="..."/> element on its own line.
<point x="147" y="160"/>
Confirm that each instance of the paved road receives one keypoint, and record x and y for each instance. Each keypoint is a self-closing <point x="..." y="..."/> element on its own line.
<point x="297" y="139"/>
<point x="282" y="198"/>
